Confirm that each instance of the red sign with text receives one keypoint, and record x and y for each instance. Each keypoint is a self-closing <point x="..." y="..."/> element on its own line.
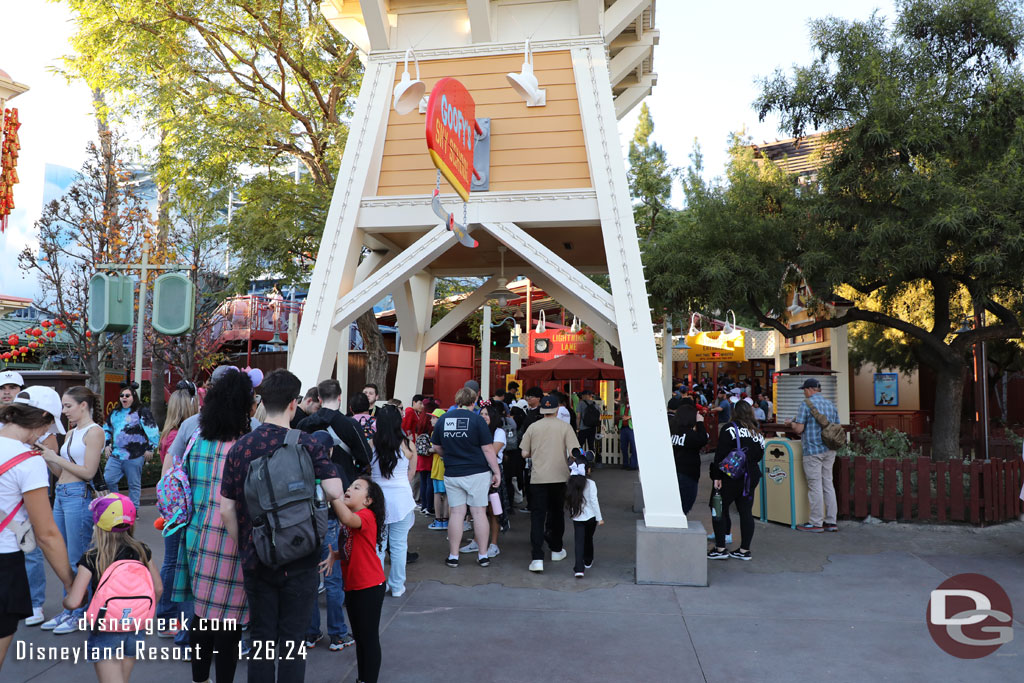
<point x="554" y="343"/>
<point x="451" y="128"/>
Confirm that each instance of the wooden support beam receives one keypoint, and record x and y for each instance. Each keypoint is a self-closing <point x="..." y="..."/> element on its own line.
<point x="620" y="15"/>
<point x="480" y="20"/>
<point x="375" y="18"/>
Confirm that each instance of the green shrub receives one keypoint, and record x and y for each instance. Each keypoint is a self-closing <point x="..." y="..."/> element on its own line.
<point x="878" y="443"/>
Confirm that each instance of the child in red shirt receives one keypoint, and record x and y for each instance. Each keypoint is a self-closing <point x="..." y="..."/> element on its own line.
<point x="361" y="512"/>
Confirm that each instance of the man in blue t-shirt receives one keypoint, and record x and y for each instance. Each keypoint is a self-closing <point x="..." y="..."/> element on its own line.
<point x="465" y="443"/>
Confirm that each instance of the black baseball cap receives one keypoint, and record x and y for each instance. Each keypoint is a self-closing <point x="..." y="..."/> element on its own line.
<point x="548" y="405"/>
<point x="811" y="383"/>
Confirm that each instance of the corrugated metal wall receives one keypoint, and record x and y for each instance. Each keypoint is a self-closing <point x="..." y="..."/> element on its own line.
<point x="789" y="395"/>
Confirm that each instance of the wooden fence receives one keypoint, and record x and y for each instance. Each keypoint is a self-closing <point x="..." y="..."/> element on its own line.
<point x="981" y="492"/>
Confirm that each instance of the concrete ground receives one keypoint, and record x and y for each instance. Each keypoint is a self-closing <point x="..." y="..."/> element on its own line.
<point x="840" y="607"/>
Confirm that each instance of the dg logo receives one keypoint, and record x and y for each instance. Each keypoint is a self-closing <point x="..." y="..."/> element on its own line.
<point x="970" y="616"/>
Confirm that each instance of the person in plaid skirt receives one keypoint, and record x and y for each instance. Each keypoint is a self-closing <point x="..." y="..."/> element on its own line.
<point x="209" y="570"/>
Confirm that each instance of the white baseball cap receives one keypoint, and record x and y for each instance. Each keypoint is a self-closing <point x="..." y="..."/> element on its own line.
<point x="11" y="377"/>
<point x="43" y="398"/>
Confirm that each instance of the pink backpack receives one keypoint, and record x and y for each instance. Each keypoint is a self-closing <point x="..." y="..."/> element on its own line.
<point x="124" y="600"/>
<point x="174" y="492"/>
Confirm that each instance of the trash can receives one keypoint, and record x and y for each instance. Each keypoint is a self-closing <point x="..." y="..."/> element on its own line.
<point x="784" y="483"/>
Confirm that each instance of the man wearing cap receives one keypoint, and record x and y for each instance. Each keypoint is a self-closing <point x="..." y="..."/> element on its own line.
<point x="818" y="458"/>
<point x="11" y="383"/>
<point x="547" y="444"/>
<point x="473" y="386"/>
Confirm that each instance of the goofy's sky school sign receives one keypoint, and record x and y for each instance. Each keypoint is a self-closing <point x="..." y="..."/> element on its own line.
<point x="451" y="132"/>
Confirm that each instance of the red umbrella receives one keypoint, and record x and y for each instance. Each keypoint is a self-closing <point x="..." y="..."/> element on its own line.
<point x="571" y="367"/>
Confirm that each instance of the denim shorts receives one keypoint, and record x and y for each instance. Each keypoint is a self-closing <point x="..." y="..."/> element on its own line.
<point x="104" y="645"/>
<point x="438" y="485"/>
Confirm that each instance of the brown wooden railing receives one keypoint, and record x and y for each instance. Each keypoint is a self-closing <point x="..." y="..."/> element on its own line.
<point x="981" y="492"/>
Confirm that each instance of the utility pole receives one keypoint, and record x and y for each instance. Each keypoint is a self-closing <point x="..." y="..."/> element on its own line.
<point x="144" y="269"/>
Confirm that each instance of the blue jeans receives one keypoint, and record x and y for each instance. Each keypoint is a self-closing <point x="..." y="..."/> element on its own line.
<point x="336" y="625"/>
<point x="35" y="567"/>
<point x="427" y="492"/>
<point x="396" y="543"/>
<point x="628" y="446"/>
<point x="130" y="470"/>
<point x="166" y="609"/>
<point x="74" y="520"/>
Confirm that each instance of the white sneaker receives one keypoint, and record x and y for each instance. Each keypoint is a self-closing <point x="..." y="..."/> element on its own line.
<point x="36" y="618"/>
<point x="69" y="625"/>
<point x="559" y="556"/>
<point x="53" y="623"/>
<point x="493" y="550"/>
<point x="470" y="547"/>
<point x="537" y="566"/>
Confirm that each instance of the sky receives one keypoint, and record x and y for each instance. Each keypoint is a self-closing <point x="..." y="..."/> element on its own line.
<point x="708" y="63"/>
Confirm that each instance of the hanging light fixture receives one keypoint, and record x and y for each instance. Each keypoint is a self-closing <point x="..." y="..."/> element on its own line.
<point x="502" y="293"/>
<point x="576" y="326"/>
<point x="541" y="320"/>
<point x="694" y="330"/>
<point x="681" y="344"/>
<point x="730" y="327"/>
<point x="408" y="92"/>
<point x="525" y="82"/>
<point x="514" y="345"/>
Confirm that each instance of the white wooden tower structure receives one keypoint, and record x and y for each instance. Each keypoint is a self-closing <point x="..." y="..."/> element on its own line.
<point x="557" y="199"/>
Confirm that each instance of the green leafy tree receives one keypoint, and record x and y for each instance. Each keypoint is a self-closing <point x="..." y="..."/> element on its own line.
<point x="922" y="189"/>
<point x="650" y="177"/>
<point x="233" y="86"/>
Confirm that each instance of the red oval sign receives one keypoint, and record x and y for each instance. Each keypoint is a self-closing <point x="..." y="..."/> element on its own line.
<point x="451" y="126"/>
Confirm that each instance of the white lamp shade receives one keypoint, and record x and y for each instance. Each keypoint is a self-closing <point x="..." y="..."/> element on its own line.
<point x="526" y="86"/>
<point x="408" y="94"/>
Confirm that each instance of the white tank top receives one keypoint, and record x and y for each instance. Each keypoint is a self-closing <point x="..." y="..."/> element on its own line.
<point x="74" y="445"/>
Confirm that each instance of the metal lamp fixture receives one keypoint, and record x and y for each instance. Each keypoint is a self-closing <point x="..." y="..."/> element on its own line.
<point x="576" y="326"/>
<point x="408" y="92"/>
<point x="541" y="323"/>
<point x="514" y="344"/>
<point x="502" y="294"/>
<point x="525" y="82"/>
<point x="730" y="327"/>
<point x="681" y="344"/>
<point x="694" y="330"/>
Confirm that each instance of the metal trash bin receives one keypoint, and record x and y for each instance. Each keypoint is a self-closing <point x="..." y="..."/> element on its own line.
<point x="784" y="482"/>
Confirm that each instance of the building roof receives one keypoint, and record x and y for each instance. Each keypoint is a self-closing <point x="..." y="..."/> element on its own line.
<point x="802" y="156"/>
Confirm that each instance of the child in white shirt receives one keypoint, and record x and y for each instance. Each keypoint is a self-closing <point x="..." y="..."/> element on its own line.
<point x="581" y="501"/>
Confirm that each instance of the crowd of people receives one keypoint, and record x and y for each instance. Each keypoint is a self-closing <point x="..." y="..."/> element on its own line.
<point x="270" y="495"/>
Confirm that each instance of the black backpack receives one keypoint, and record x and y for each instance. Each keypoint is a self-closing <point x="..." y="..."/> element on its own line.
<point x="280" y="492"/>
<point x="591" y="415"/>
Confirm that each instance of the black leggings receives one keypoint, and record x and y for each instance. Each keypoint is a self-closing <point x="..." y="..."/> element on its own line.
<point x="732" y="492"/>
<point x="584" y="542"/>
<point x="364" y="615"/>
<point x="204" y="638"/>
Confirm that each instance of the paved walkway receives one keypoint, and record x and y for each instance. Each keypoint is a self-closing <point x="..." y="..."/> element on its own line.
<point x="840" y="607"/>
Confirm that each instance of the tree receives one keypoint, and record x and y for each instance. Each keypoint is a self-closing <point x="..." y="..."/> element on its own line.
<point x="244" y="84"/>
<point x="99" y="219"/>
<point x="921" y="187"/>
<point x="650" y="176"/>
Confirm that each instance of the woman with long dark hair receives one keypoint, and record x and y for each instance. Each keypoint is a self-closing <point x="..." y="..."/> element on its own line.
<point x="132" y="438"/>
<point x="209" y="570"/>
<point x="390" y="469"/>
<point x="74" y="467"/>
<point x="742" y="433"/>
<point x="689" y="436"/>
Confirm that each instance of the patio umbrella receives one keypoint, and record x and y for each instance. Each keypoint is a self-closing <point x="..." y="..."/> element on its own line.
<point x="571" y="367"/>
